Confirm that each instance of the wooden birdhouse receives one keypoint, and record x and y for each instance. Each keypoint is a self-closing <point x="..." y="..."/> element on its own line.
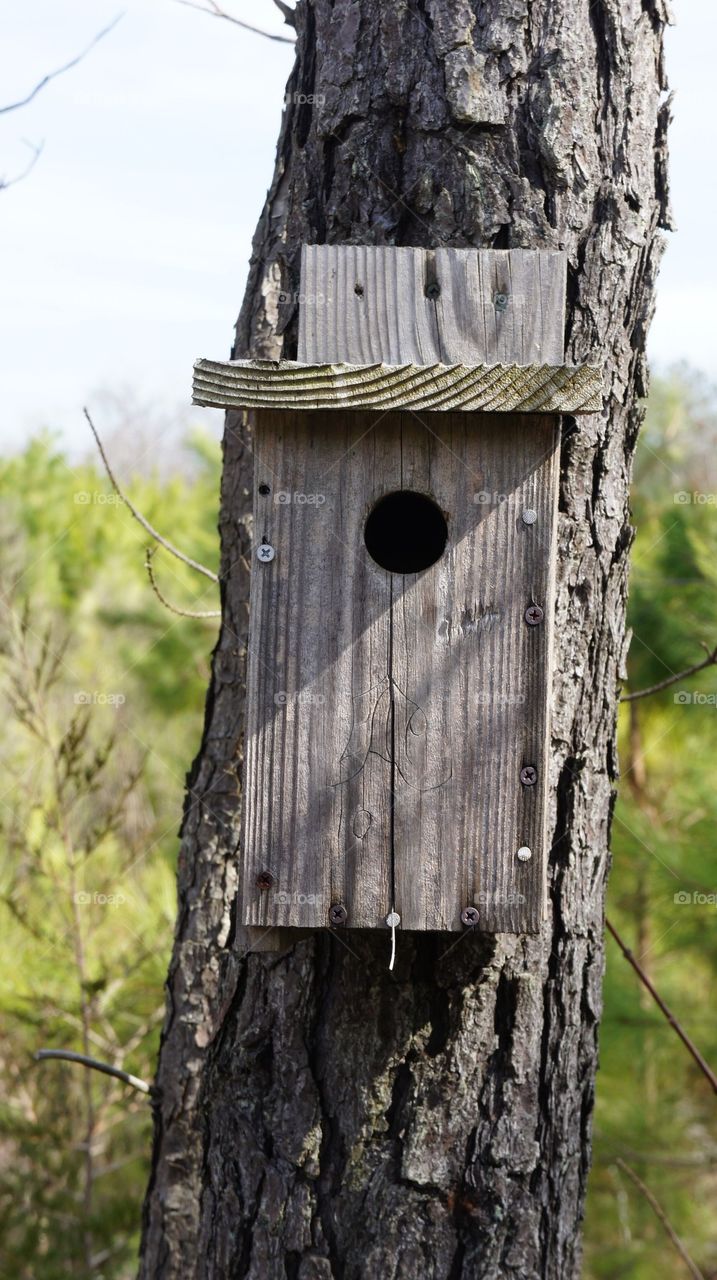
<point x="399" y="667"/>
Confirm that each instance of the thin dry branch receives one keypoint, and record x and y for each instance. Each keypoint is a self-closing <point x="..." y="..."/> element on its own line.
<point x="36" y="149"/>
<point x="182" y="613"/>
<point x="710" y="661"/>
<point x="663" y="1218"/>
<point x="163" y="542"/>
<point x="42" y="1055"/>
<point x="704" y="1066"/>
<point x="214" y="11"/>
<point x="52" y="75"/>
<point x="289" y="14"/>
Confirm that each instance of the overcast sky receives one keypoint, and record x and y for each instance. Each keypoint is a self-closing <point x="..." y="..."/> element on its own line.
<point x="124" y="253"/>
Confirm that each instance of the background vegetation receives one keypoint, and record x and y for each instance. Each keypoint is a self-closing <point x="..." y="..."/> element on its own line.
<point x="102" y="703"/>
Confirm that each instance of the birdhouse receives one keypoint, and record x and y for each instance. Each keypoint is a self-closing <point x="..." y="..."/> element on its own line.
<point x="401" y="615"/>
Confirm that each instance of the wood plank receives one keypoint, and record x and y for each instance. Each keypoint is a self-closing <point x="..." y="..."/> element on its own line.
<point x="372" y="303"/>
<point x="495" y="388"/>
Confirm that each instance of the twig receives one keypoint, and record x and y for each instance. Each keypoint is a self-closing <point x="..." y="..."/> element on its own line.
<point x="660" y="1213"/>
<point x="704" y="1066"/>
<point x="67" y="1056"/>
<point x="52" y="75"/>
<point x="163" y="542"/>
<point x="36" y="150"/>
<point x="215" y="12"/>
<point x="182" y="613"/>
<point x="709" y="661"/>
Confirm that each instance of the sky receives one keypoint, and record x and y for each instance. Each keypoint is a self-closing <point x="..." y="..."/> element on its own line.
<point x="123" y="255"/>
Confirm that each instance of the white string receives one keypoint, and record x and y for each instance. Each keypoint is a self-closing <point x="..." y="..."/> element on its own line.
<point x="393" y="946"/>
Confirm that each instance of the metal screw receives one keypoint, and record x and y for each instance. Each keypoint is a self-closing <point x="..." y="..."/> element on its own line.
<point x="264" y="880"/>
<point x="393" y="919"/>
<point x="469" y="916"/>
<point x="264" y="489"/>
<point x="433" y="290"/>
<point x="265" y="552"/>
<point x="534" y="615"/>
<point x="524" y="854"/>
<point x="338" y="913"/>
<point x="501" y="301"/>
<point x="529" y="516"/>
<point x="529" y="775"/>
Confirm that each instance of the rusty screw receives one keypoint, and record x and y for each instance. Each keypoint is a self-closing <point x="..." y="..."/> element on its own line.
<point x="529" y="775"/>
<point x="469" y="916"/>
<point x="534" y="615"/>
<point x="338" y="913"/>
<point x="264" y="880"/>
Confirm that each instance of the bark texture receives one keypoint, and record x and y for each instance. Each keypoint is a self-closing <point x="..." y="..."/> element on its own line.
<point x="318" y="1116"/>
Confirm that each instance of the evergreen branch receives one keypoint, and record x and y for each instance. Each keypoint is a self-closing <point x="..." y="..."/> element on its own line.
<point x="163" y="542"/>
<point x="660" y="1213"/>
<point x="710" y="661"/>
<point x="182" y="613"/>
<point x="52" y="75"/>
<point x="691" y="1047"/>
<point x="214" y="11"/>
<point x="42" y="1055"/>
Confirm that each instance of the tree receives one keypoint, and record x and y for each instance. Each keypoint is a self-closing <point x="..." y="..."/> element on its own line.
<point x="319" y="1116"/>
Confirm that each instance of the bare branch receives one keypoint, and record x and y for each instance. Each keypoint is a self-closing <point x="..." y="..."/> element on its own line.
<point x="660" y="1213"/>
<point x="52" y="75"/>
<point x="36" y="150"/>
<point x="709" y="661"/>
<point x="182" y="613"/>
<point x="704" y="1066"/>
<point x="215" y="12"/>
<point x="42" y="1055"/>
<point x="163" y="542"/>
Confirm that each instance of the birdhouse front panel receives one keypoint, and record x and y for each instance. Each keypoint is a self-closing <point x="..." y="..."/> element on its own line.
<point x="400" y="637"/>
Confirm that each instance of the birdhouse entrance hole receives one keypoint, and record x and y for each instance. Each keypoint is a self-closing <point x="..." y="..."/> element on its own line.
<point x="406" y="532"/>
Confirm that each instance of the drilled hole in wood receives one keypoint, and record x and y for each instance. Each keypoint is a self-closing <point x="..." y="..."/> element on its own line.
<point x="358" y="289"/>
<point x="406" y="532"/>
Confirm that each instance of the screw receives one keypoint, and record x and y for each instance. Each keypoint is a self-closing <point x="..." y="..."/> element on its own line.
<point x="469" y="916"/>
<point x="338" y="913"/>
<point x="265" y="552"/>
<point x="264" y="880"/>
<point x="529" y="516"/>
<point x="524" y="854"/>
<point x="264" y="489"/>
<point x="393" y="919"/>
<point x="433" y="290"/>
<point x="534" y="615"/>
<point x="529" y="775"/>
<point x="501" y="301"/>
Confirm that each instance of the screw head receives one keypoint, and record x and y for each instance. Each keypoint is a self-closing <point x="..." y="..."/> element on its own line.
<point x="265" y="552"/>
<point x="529" y="516"/>
<point x="393" y="919"/>
<point x="529" y="775"/>
<point x="469" y="916"/>
<point x="264" y="880"/>
<point x="433" y="290"/>
<point x="501" y="301"/>
<point x="534" y="615"/>
<point x="338" y="913"/>
<point x="524" y="854"/>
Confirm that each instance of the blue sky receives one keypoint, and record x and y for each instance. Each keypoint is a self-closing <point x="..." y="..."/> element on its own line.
<point x="123" y="255"/>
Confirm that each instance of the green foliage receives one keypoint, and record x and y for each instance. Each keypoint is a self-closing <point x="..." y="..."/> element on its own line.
<point x="103" y="695"/>
<point x="654" y="1108"/>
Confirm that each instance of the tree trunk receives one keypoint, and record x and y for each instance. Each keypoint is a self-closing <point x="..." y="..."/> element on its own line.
<point x="318" y="1115"/>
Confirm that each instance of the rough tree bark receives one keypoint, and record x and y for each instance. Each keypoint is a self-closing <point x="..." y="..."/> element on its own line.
<point x="318" y="1116"/>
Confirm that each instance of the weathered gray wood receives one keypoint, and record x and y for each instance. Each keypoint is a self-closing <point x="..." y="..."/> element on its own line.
<point x="457" y="306"/>
<point x="497" y="388"/>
